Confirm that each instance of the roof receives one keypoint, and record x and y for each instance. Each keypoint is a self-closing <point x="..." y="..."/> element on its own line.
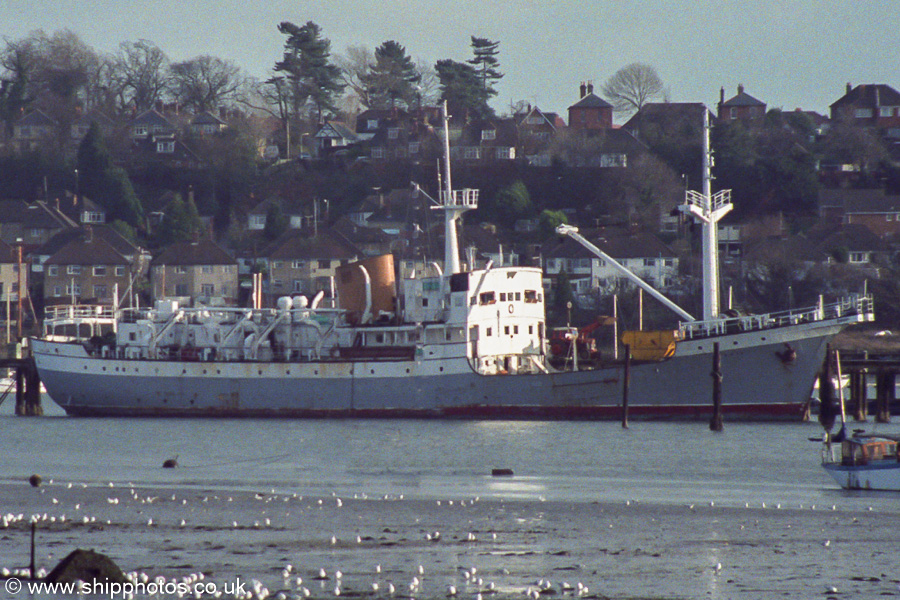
<point x="742" y="99"/>
<point x="200" y="252"/>
<point x="152" y="117"/>
<point x="853" y="237"/>
<point x="870" y="95"/>
<point x="86" y="250"/>
<point x="666" y="115"/>
<point x="859" y="201"/>
<point x="34" y="215"/>
<point x="591" y="101"/>
<point x="300" y="244"/>
<point x="36" y="118"/>
<point x="337" y="128"/>
<point x="7" y="253"/>
<point x="107" y="234"/>
<point x="207" y="118"/>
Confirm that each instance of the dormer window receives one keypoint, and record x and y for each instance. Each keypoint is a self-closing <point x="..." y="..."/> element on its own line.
<point x="488" y="134"/>
<point x="140" y="130"/>
<point x="393" y="133"/>
<point x="165" y="147"/>
<point x="372" y="124"/>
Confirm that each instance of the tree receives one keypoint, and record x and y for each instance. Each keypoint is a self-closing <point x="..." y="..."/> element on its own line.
<point x="392" y="77"/>
<point x="140" y="74"/>
<point x="276" y="222"/>
<point x="513" y="203"/>
<point x="182" y="221"/>
<point x="105" y="183"/>
<point x="203" y="83"/>
<point x="462" y="90"/>
<point x="632" y="86"/>
<point x="16" y="92"/>
<point x="354" y="65"/>
<point x="549" y="220"/>
<point x="307" y="66"/>
<point x="485" y="62"/>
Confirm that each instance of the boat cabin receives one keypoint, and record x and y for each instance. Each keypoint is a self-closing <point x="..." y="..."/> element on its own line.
<point x="858" y="451"/>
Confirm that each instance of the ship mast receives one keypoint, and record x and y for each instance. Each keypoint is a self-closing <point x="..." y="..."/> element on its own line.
<point x="708" y="208"/>
<point x="453" y="204"/>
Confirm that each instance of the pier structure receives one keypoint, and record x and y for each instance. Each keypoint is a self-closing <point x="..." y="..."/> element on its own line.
<point x="863" y="367"/>
<point x="26" y="385"/>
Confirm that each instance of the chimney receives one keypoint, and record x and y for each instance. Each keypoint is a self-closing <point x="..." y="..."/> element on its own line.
<point x="590" y="87"/>
<point x="877" y="97"/>
<point x="721" y="95"/>
<point x="740" y="89"/>
<point x="583" y="90"/>
<point x="849" y="87"/>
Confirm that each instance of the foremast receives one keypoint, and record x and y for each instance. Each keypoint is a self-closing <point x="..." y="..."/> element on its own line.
<point x="708" y="209"/>
<point x="454" y="204"/>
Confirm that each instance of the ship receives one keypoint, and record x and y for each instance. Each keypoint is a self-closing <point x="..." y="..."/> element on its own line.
<point x="451" y="343"/>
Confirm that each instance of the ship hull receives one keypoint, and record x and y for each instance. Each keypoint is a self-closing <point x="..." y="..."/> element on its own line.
<point x="883" y="476"/>
<point x="758" y="383"/>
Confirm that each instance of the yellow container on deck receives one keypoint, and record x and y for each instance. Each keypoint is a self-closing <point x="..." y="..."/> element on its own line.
<point x="651" y="345"/>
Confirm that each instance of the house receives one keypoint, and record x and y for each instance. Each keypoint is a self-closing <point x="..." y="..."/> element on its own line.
<point x="207" y="123"/>
<point x="673" y="131"/>
<point x="305" y="262"/>
<point x="599" y="148"/>
<point x="536" y="130"/>
<point x="871" y="105"/>
<point x="332" y="136"/>
<point x="642" y="253"/>
<point x="874" y="208"/>
<point x="80" y="209"/>
<point x="591" y="112"/>
<point x="486" y="140"/>
<point x="151" y="124"/>
<point x="86" y="269"/>
<point x="34" y="223"/>
<point x="82" y="124"/>
<point x="854" y="244"/>
<point x="742" y="107"/>
<point x="34" y="130"/>
<point x="138" y="258"/>
<point x="12" y="278"/>
<point x="401" y="137"/>
<point x="198" y="272"/>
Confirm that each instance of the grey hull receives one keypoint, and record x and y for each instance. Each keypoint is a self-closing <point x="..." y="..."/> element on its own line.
<point x="758" y="384"/>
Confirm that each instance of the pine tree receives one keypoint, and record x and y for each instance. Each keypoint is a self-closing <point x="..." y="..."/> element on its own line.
<point x="462" y="89"/>
<point x="485" y="62"/>
<point x="306" y="63"/>
<point x="105" y="183"/>
<point x="392" y="77"/>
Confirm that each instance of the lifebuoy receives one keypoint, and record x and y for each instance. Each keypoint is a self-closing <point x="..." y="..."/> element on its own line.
<point x="511" y="309"/>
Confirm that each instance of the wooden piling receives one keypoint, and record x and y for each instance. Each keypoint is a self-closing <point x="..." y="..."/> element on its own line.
<point x="716" y="423"/>
<point x="884" y="396"/>
<point x="827" y="410"/>
<point x="20" y="392"/>
<point x="859" y="393"/>
<point x="33" y="406"/>
<point x="625" y="386"/>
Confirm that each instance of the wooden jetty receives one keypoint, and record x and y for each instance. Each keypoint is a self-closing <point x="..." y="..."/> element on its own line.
<point x="860" y="366"/>
<point x="27" y="386"/>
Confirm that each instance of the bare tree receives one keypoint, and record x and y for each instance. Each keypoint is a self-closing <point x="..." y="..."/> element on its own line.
<point x="354" y="65"/>
<point x="204" y="82"/>
<point x="632" y="87"/>
<point x="139" y="74"/>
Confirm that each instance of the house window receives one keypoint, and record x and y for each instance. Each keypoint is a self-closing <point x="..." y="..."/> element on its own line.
<point x="298" y="286"/>
<point x="92" y="217"/>
<point x="206" y="269"/>
<point x="277" y="264"/>
<point x="377" y="152"/>
<point x="207" y="289"/>
<point x="669" y="262"/>
<point x="393" y="133"/>
<point x="100" y="271"/>
<point x="57" y="291"/>
<point x="165" y="147"/>
<point x="35" y="233"/>
<point x="324" y="264"/>
<point x="863" y="113"/>
<point x="298" y="264"/>
<point x="52" y="271"/>
<point x="506" y="153"/>
<point x="181" y="270"/>
<point x="73" y="290"/>
<point x="140" y="130"/>
<point x="99" y="291"/>
<point x="277" y="283"/>
<point x="649" y="262"/>
<point x="120" y="271"/>
<point x="732" y="113"/>
<point x="372" y="124"/>
<point x="181" y="289"/>
<point x="472" y="153"/>
<point x="886" y="111"/>
<point x="257" y="221"/>
<point x="859" y="257"/>
<point x="613" y="160"/>
<point x="489" y="134"/>
<point x="534" y="120"/>
<point x="73" y="270"/>
<point x="414" y="147"/>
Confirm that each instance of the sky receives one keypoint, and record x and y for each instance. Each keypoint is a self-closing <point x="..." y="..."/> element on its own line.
<point x="789" y="54"/>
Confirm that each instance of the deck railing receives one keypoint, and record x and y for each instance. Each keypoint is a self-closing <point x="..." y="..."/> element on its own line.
<point x="853" y="305"/>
